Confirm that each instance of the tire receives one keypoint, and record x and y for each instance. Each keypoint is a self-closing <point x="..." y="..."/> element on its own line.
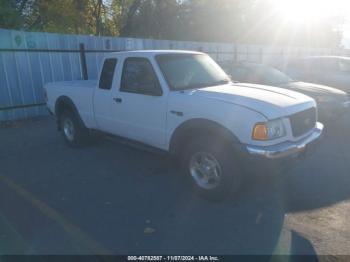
<point x="211" y="168"/>
<point x="73" y="132"/>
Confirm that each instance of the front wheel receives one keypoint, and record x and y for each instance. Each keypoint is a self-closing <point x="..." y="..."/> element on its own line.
<point x="211" y="168"/>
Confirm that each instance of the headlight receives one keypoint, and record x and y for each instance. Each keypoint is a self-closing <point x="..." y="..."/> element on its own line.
<point x="269" y="130"/>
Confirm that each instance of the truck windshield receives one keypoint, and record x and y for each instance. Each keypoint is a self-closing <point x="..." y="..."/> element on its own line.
<point x="270" y="76"/>
<point x="188" y="71"/>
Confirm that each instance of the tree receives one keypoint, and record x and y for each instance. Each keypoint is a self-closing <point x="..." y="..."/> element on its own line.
<point x="13" y="13"/>
<point x="233" y="21"/>
<point x="153" y="19"/>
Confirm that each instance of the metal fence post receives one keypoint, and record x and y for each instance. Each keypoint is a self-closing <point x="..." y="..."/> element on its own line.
<point x="83" y="61"/>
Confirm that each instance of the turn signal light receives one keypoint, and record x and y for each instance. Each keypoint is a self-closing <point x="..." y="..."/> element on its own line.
<point x="260" y="132"/>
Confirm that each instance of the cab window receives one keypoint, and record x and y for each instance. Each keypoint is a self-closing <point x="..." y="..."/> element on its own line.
<point x="107" y="73"/>
<point x="139" y="77"/>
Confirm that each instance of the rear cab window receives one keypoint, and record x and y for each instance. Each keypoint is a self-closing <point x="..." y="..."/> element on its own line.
<point x="107" y="73"/>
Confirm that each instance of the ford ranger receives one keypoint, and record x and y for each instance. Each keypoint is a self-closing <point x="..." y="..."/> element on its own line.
<point x="182" y="102"/>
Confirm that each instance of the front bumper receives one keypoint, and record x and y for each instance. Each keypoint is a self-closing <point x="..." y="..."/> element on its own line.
<point x="286" y="149"/>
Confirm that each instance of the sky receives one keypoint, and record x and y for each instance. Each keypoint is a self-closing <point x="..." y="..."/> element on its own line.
<point x="303" y="12"/>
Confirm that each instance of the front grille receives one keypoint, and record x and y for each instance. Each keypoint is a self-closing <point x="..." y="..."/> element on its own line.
<point x="303" y="121"/>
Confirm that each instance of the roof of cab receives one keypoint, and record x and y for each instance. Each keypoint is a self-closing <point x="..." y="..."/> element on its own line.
<point x="152" y="52"/>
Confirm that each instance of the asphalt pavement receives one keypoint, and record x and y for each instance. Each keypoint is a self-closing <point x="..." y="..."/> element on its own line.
<point x="110" y="198"/>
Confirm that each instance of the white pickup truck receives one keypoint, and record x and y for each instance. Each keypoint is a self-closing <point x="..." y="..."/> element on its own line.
<point x="183" y="102"/>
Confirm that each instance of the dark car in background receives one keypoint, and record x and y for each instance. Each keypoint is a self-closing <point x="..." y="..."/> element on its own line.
<point x="330" y="101"/>
<point x="326" y="70"/>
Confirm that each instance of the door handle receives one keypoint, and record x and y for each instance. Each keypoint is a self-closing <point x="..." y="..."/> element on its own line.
<point x="117" y="100"/>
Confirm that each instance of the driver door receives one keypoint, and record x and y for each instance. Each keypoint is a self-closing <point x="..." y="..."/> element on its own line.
<point x="140" y="105"/>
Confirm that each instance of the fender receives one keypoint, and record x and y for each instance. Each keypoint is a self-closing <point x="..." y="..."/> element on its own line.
<point x="196" y="127"/>
<point x="62" y="103"/>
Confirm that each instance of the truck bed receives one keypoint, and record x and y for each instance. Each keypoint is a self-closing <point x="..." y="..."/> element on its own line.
<point x="76" y="83"/>
<point x="80" y="92"/>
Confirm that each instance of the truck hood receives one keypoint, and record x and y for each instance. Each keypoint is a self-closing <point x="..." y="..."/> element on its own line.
<point x="272" y="102"/>
<point x="315" y="90"/>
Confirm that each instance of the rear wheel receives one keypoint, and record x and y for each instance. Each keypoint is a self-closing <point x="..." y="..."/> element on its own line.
<point x="73" y="132"/>
<point x="211" y="168"/>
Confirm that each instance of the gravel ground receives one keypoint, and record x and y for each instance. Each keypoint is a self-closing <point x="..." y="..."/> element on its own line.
<point x="110" y="198"/>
